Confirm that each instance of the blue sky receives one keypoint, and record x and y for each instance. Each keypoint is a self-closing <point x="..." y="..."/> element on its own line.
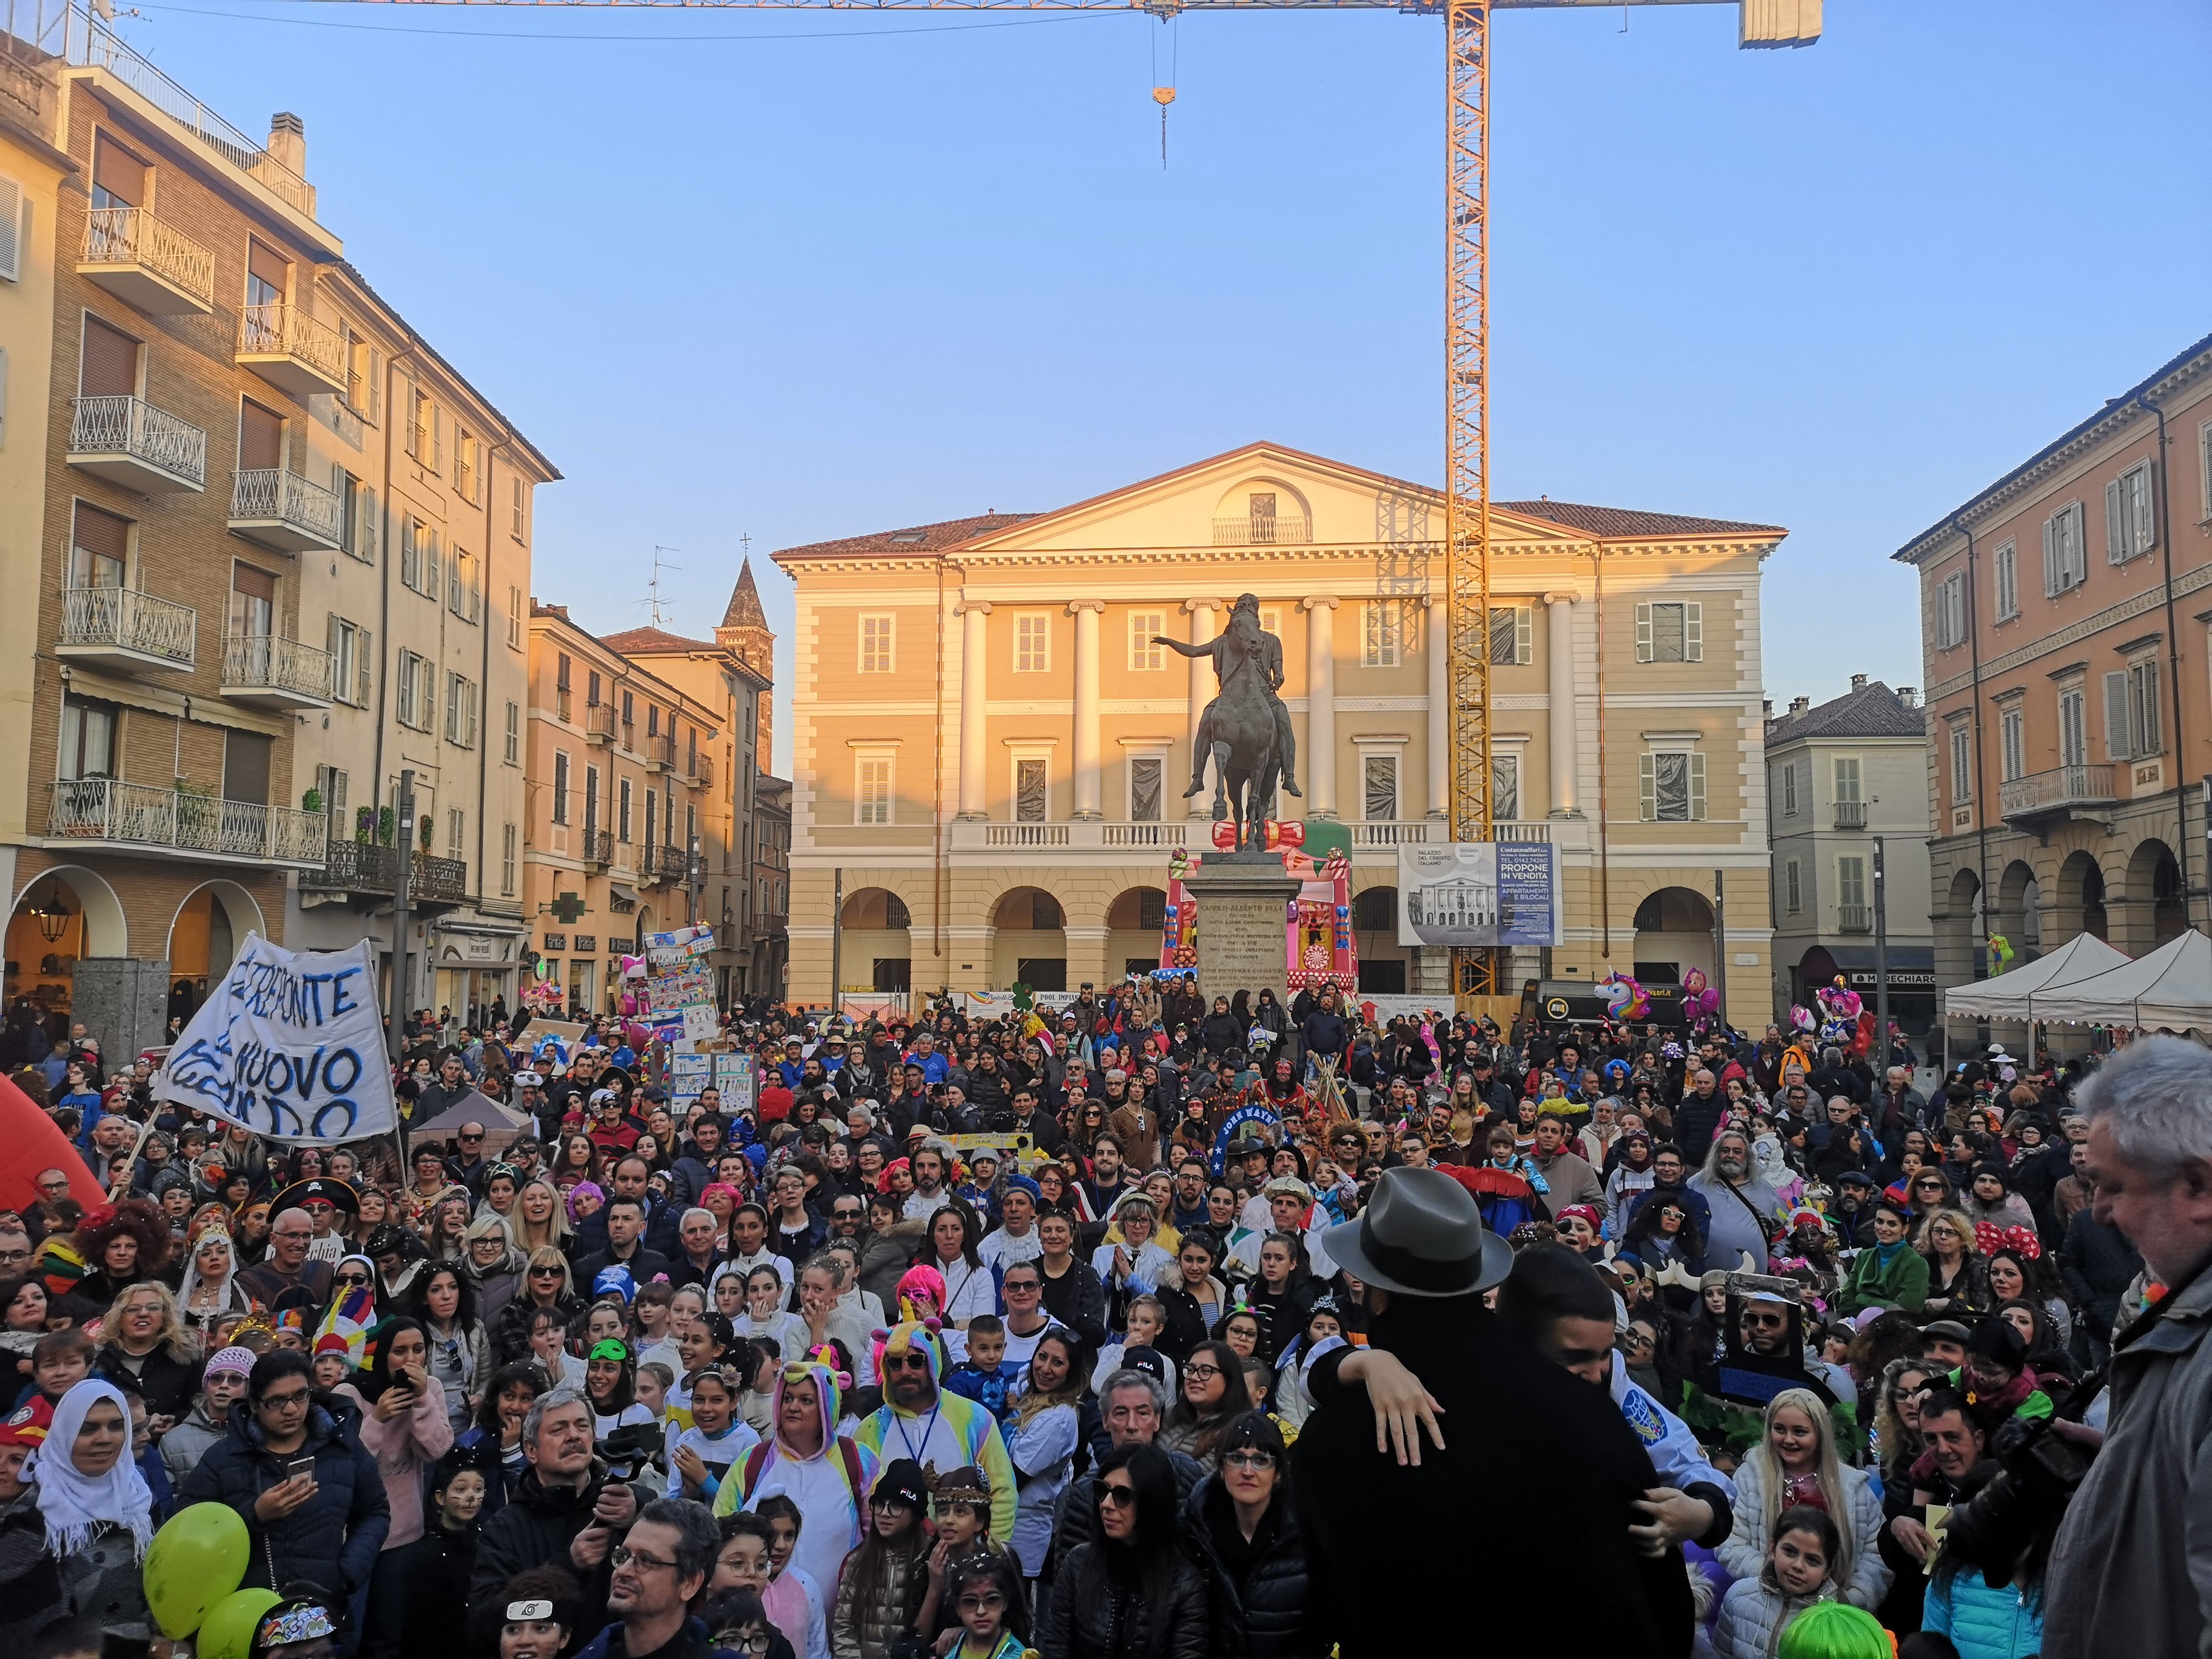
<point x="799" y="274"/>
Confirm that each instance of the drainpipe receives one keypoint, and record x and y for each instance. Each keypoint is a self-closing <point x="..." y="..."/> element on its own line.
<point x="1974" y="644"/>
<point x="2173" y="657"/>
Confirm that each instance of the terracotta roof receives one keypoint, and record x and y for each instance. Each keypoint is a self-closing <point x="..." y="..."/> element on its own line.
<point x="1623" y="522"/>
<point x="650" y="642"/>
<point x="744" y="610"/>
<point x="915" y="538"/>
<point x="1872" y="711"/>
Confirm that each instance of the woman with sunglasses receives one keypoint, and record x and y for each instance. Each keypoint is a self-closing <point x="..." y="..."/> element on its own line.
<point x="547" y="1284"/>
<point x="1958" y="1277"/>
<point x="1241" y="1525"/>
<point x="1131" y="1589"/>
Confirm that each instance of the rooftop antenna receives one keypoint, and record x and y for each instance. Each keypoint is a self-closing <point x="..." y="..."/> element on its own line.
<point x="656" y="609"/>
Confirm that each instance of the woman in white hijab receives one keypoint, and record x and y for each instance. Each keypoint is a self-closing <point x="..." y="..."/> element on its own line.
<point x="93" y="1517"/>
<point x="210" y="1288"/>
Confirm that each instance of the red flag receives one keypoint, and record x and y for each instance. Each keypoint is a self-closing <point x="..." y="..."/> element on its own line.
<point x="30" y="1145"/>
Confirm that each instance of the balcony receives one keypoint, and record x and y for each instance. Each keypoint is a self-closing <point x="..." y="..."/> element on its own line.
<point x="438" y="881"/>
<point x="123" y="627"/>
<point x="663" y="864"/>
<point x="599" y="722"/>
<point x="1855" y="919"/>
<point x="141" y="817"/>
<point x="147" y="263"/>
<point x="1284" y="530"/>
<point x="278" y="508"/>
<point x="275" y="673"/>
<point x="126" y="440"/>
<point x="2043" y="798"/>
<point x="1851" y="815"/>
<point x="291" y="350"/>
<point x="660" y="753"/>
<point x="699" y="770"/>
<point x="598" y="847"/>
<point x="365" y="868"/>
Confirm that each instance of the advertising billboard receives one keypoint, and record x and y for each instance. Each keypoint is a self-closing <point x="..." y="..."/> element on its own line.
<point x="1478" y="893"/>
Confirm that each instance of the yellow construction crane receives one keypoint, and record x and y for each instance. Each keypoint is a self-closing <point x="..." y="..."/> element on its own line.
<point x="1760" y="23"/>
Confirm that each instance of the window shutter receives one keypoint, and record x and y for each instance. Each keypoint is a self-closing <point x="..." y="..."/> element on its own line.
<point x="2115" y="716"/>
<point x="11" y="229"/>
<point x="2148" y="743"/>
<point x="375" y="384"/>
<point x="2077" y="544"/>
<point x="1693" y="632"/>
<point x="2050" y="557"/>
<point x="410" y="555"/>
<point x="2116" y="525"/>
<point x="437" y="439"/>
<point x="1643" y="640"/>
<point x="364" y="659"/>
<point x="332" y="635"/>
<point x="1647" y="783"/>
<point x="369" y="525"/>
<point x="1696" y="785"/>
<point x="1524" y="633"/>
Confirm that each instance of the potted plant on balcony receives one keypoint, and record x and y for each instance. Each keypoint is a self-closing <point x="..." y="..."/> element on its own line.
<point x="387" y="826"/>
<point x="198" y="814"/>
<point x="311" y="800"/>
<point x="364" y="824"/>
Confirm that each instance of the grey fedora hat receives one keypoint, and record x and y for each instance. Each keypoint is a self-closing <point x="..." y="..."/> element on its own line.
<point x="1421" y="1235"/>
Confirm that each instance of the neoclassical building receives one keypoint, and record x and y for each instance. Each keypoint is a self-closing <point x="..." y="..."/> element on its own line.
<point x="990" y="750"/>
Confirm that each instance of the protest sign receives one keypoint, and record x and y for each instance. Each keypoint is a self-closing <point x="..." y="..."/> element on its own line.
<point x="291" y="1045"/>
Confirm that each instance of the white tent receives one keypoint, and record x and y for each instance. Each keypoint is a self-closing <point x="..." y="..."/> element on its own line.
<point x="502" y="1124"/>
<point x="2006" y="997"/>
<point x="2171" y="987"/>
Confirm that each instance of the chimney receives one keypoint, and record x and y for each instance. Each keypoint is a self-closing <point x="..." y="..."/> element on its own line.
<point x="1799" y="705"/>
<point x="287" y="141"/>
<point x="1909" y="696"/>
<point x="1766" y="706"/>
<point x="1858" y="682"/>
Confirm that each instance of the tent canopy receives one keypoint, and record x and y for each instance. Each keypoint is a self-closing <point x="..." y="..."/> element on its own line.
<point x="2006" y="997"/>
<point x="503" y="1124"/>
<point x="2171" y="987"/>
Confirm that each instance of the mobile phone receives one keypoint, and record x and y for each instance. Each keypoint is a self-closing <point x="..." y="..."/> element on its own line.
<point x="296" y="1467"/>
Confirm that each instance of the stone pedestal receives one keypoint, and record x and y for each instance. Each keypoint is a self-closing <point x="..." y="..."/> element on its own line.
<point x="1241" y="899"/>
<point x="124" y="1002"/>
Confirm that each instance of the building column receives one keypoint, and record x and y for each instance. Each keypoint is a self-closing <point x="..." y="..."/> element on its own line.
<point x="1086" y="957"/>
<point x="1201" y="691"/>
<point x="975" y="653"/>
<point x="1089" y="786"/>
<point x="1320" y="755"/>
<point x="1559" y="613"/>
<point x="1440" y="732"/>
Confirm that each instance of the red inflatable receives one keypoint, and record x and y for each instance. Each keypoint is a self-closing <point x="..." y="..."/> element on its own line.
<point x="30" y="1145"/>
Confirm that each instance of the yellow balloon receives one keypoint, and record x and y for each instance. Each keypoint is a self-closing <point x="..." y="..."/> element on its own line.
<point x="196" y="1560"/>
<point x="228" y="1630"/>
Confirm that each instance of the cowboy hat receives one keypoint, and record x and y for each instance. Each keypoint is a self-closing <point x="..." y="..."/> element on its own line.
<point x="1420" y="1234"/>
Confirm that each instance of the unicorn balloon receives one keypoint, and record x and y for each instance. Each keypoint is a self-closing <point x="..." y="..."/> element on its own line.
<point x="1624" y="998"/>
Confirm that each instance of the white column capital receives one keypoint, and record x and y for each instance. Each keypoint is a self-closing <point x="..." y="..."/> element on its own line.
<point x="1076" y="607"/>
<point x="1318" y="601"/>
<point x="979" y="607"/>
<point x="1201" y="604"/>
<point x="1563" y="596"/>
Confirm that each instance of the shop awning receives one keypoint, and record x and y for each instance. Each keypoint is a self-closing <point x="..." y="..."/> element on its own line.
<point x="1911" y="967"/>
<point x="621" y="895"/>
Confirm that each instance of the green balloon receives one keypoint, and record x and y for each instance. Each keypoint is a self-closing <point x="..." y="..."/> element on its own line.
<point x="228" y="1630"/>
<point x="196" y="1560"/>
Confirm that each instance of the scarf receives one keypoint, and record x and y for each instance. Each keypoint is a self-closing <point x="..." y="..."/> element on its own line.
<point x="350" y="1315"/>
<point x="75" y="1506"/>
<point x="193" y="1281"/>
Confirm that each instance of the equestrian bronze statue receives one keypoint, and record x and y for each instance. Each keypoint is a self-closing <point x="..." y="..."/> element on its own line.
<point x="1245" y="729"/>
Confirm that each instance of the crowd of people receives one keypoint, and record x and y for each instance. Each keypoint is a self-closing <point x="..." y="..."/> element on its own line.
<point x="1027" y="1331"/>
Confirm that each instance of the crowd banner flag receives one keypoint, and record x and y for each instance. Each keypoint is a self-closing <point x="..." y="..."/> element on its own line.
<point x="291" y="1045"/>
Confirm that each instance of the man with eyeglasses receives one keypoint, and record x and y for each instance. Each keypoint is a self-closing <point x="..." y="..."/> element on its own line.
<point x="312" y="1500"/>
<point x="937" y="1430"/>
<point x="565" y="1513"/>
<point x="291" y="1237"/>
<point x="14" y="1248"/>
<point x="659" y="1579"/>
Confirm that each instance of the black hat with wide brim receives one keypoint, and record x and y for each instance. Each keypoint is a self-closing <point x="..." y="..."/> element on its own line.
<point x="331" y="1191"/>
<point x="1420" y="1234"/>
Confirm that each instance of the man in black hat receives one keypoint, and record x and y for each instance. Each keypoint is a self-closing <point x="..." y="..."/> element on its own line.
<point x="1455" y="1512"/>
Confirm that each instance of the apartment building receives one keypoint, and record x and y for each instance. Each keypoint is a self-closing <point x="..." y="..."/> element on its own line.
<point x="620" y="765"/>
<point x="2064" y="627"/>
<point x="771" y="887"/>
<point x="990" y="750"/>
<point x="1840" y="775"/>
<point x="734" y="675"/>
<point x="271" y="516"/>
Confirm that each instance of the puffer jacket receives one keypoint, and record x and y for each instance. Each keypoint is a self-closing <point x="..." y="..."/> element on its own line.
<point x="1755" y="1613"/>
<point x="1744" y="1552"/>
<point x="867" y="1632"/>
<point x="1093" y="1617"/>
<point x="184" y="1446"/>
<point x="1265" y="1618"/>
<point x="2006" y="1623"/>
<point x="331" y="1539"/>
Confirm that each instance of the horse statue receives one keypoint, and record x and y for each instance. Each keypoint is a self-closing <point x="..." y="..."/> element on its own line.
<point x="1245" y="728"/>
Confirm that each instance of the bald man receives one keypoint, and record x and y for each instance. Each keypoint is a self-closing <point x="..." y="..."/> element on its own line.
<point x="291" y="1235"/>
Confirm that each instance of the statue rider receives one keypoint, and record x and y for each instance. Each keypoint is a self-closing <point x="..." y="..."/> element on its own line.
<point x="1223" y="649"/>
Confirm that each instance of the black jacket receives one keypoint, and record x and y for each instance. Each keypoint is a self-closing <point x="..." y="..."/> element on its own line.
<point x="1076" y="1299"/>
<point x="1373" y="1527"/>
<point x="1264" y="1615"/>
<point x="434" y="1573"/>
<point x="332" y="1538"/>
<point x="1695" y="1120"/>
<point x="1091" y="1616"/>
<point x="2098" y="1264"/>
<point x="1221" y="1032"/>
<point x="167" y="1383"/>
<point x="534" y="1530"/>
